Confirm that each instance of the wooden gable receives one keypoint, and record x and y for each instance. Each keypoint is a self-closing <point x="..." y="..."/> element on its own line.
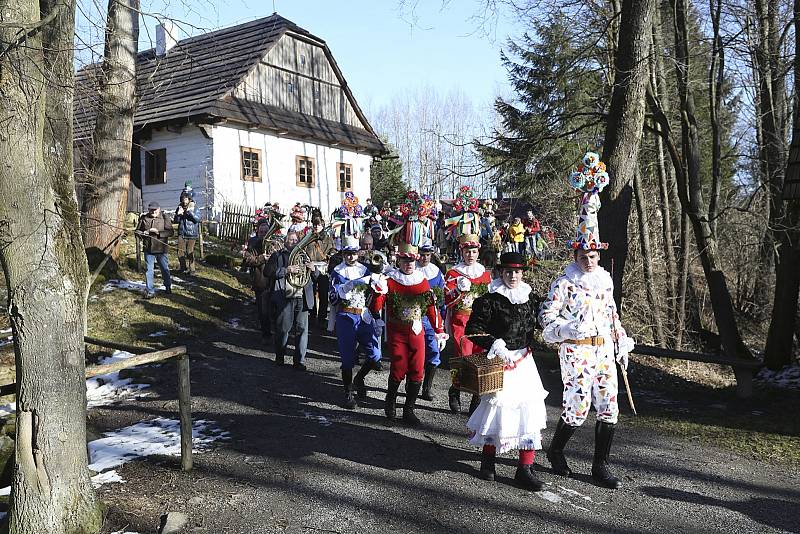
<point x="298" y="74"/>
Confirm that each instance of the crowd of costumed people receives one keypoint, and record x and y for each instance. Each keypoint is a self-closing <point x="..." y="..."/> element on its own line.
<point x="399" y="283"/>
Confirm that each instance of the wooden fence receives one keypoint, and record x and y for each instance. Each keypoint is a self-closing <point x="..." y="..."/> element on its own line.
<point x="144" y="356"/>
<point x="236" y="222"/>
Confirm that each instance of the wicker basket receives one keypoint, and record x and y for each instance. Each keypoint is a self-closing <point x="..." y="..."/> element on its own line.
<point x="477" y="374"/>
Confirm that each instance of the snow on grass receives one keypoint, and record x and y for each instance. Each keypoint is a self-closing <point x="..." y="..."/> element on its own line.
<point x="234" y="322"/>
<point x="160" y="333"/>
<point x="108" y="477"/>
<point x="8" y="409"/>
<point x="103" y="390"/>
<point x="786" y="378"/>
<point x="157" y="436"/>
<point x="138" y="287"/>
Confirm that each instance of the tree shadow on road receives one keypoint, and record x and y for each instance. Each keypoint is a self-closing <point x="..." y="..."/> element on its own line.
<point x="774" y="513"/>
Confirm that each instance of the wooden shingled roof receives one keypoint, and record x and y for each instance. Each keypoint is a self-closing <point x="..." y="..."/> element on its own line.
<point x="195" y="80"/>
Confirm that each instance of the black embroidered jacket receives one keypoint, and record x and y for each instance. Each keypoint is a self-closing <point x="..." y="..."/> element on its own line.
<point x="495" y="315"/>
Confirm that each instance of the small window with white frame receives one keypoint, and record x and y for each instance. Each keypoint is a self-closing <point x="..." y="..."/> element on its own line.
<point x="305" y="171"/>
<point x="251" y="164"/>
<point x="345" y="177"/>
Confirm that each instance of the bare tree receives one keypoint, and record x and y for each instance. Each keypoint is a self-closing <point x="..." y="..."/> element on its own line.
<point x="691" y="190"/>
<point x="624" y="130"/>
<point x="787" y="284"/>
<point x="45" y="269"/>
<point x="106" y="193"/>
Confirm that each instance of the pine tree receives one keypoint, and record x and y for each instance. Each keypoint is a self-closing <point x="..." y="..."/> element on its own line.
<point x="386" y="177"/>
<point x="561" y="93"/>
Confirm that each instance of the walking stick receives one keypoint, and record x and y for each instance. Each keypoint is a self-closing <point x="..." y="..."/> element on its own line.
<point x="616" y="352"/>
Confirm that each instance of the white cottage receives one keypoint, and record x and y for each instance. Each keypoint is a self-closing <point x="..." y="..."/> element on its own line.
<point x="255" y="113"/>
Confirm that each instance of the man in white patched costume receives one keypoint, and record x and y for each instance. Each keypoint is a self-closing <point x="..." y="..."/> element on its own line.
<point x="580" y="314"/>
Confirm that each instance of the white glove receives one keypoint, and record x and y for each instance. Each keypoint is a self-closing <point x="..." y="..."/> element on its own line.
<point x="463" y="284"/>
<point x="379" y="285"/>
<point x="441" y="340"/>
<point x="624" y="346"/>
<point x="574" y="330"/>
<point x="498" y="348"/>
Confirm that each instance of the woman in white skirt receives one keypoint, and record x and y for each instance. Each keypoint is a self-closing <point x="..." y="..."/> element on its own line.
<point x="502" y="322"/>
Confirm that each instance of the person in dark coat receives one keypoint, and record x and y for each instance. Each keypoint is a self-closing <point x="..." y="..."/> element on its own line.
<point x="255" y="258"/>
<point x="502" y="322"/>
<point x="290" y="305"/>
<point x="154" y="229"/>
<point x="188" y="232"/>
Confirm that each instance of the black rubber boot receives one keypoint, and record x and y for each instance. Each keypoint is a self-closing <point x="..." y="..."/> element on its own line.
<point x="349" y="399"/>
<point x="487" y="467"/>
<point x="427" y="382"/>
<point x="526" y="478"/>
<point x="603" y="436"/>
<point x="454" y="399"/>
<point x="390" y="405"/>
<point x="361" y="388"/>
<point x="412" y="390"/>
<point x="182" y="263"/>
<point x="474" y="402"/>
<point x="555" y="454"/>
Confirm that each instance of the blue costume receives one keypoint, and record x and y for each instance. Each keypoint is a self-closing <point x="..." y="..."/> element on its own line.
<point x="435" y="279"/>
<point x="354" y="324"/>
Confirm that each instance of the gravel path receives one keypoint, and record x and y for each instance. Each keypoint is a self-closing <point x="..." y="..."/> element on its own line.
<point x="298" y="462"/>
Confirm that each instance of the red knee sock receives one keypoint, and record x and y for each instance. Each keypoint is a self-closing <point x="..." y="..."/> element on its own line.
<point x="526" y="457"/>
<point x="489" y="450"/>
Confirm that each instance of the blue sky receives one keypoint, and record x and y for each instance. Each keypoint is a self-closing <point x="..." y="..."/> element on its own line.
<point x="378" y="46"/>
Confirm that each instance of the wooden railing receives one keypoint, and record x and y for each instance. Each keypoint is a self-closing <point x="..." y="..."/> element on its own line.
<point x="145" y="356"/>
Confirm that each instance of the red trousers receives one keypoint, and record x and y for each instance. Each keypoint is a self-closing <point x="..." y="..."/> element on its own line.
<point x="407" y="351"/>
<point x="463" y="346"/>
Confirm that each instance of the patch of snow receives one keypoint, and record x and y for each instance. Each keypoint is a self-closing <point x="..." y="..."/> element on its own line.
<point x="5" y="331"/>
<point x="158" y="334"/>
<point x="8" y="409"/>
<point x="321" y="419"/>
<point x="5" y="491"/>
<point x="157" y="436"/>
<point x="549" y="496"/>
<point x="786" y="378"/>
<point x="183" y="329"/>
<point x="103" y="390"/>
<point x="234" y="322"/>
<point x="109" y="477"/>
<point x="6" y="341"/>
<point x="139" y="287"/>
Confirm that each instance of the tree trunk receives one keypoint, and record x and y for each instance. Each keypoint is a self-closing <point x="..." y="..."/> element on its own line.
<point x="110" y="166"/>
<point x="778" y="351"/>
<point x="691" y="191"/>
<point x="647" y="260"/>
<point x="666" y="178"/>
<point x="683" y="283"/>
<point x="716" y="73"/>
<point x="770" y="73"/>
<point x="45" y="271"/>
<point x="624" y="131"/>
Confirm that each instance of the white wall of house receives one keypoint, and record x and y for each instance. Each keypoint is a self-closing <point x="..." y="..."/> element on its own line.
<point x="189" y="157"/>
<point x="278" y="161"/>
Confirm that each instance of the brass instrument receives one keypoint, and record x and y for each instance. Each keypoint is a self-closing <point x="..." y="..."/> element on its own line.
<point x="375" y="261"/>
<point x="272" y="241"/>
<point x="299" y="257"/>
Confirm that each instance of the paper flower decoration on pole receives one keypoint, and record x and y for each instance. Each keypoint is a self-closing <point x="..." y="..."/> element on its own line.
<point x="589" y="179"/>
